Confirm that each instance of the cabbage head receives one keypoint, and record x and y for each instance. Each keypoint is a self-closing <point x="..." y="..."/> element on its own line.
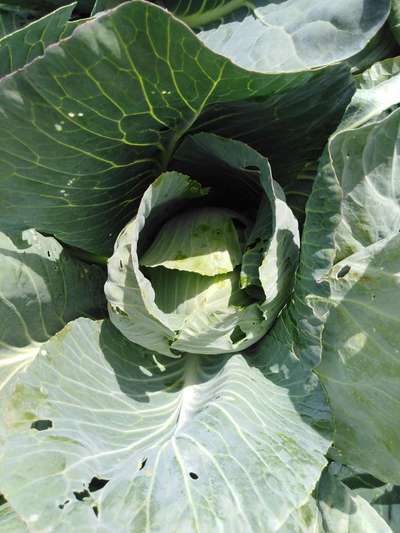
<point x="207" y="264"/>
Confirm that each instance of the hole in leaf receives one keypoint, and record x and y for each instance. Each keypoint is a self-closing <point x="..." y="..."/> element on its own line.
<point x="120" y="311"/>
<point x="343" y="271"/>
<point x="97" y="484"/>
<point x="193" y="475"/>
<point x="95" y="510"/>
<point x="62" y="505"/>
<point x="175" y="352"/>
<point x="42" y="425"/>
<point x="143" y="463"/>
<point x="237" y="335"/>
<point x="82" y="495"/>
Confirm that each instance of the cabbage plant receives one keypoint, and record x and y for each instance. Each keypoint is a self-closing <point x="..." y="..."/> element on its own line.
<point x="199" y="266"/>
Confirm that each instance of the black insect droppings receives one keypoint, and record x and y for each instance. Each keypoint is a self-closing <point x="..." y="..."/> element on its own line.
<point x="193" y="475"/>
<point x="62" y="505"/>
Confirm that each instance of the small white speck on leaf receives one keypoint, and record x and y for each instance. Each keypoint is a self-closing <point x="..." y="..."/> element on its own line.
<point x="145" y="371"/>
<point x="80" y="114"/>
<point x="58" y="127"/>
<point x="70" y="114"/>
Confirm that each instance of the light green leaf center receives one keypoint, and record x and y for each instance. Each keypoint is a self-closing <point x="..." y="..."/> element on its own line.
<point x="203" y="241"/>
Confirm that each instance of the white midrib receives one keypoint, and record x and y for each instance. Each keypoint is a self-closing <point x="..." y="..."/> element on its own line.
<point x="191" y="394"/>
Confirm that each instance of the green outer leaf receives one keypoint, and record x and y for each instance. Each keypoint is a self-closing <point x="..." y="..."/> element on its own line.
<point x="79" y="151"/>
<point x="13" y="18"/>
<point x="394" y="19"/>
<point x="333" y="508"/>
<point x="376" y="97"/>
<point x="24" y="45"/>
<point x="278" y="37"/>
<point x="42" y="288"/>
<point x="379" y="93"/>
<point x="103" y="5"/>
<point x="247" y="427"/>
<point x="46" y="5"/>
<point x="382" y="46"/>
<point x="342" y="510"/>
<point x="385" y="498"/>
<point x="379" y="73"/>
<point x="196" y="13"/>
<point x="366" y="161"/>
<point x="360" y="360"/>
<point x="353" y="300"/>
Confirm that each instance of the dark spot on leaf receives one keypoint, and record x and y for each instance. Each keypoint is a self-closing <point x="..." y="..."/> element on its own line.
<point x="62" y="505"/>
<point x="343" y="271"/>
<point x="95" y="510"/>
<point x="143" y="463"/>
<point x="48" y="253"/>
<point x="121" y="266"/>
<point x="97" y="484"/>
<point x="2" y="500"/>
<point x="193" y="475"/>
<point x="252" y="168"/>
<point x="82" y="495"/>
<point x="42" y="425"/>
